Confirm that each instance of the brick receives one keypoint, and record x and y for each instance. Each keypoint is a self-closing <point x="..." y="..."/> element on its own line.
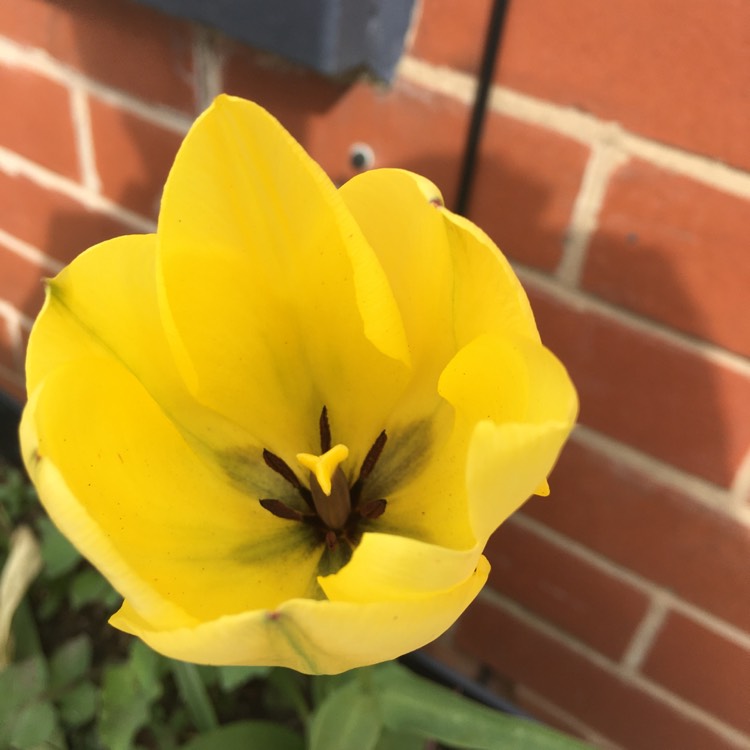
<point x="38" y="123"/>
<point x="644" y="525"/>
<point x="585" y="602"/>
<point x="452" y="32"/>
<point x="405" y="126"/>
<point x="12" y="385"/>
<point x="7" y="356"/>
<point x="596" y="696"/>
<point x="716" y="676"/>
<point x="133" y="156"/>
<point x="52" y="222"/>
<point x="119" y="43"/>
<point x="21" y="284"/>
<point x="674" y="250"/>
<point x="654" y="67"/>
<point x="526" y="182"/>
<point x="663" y="399"/>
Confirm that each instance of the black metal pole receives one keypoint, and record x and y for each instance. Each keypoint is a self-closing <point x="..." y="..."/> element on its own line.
<point x="474" y="135"/>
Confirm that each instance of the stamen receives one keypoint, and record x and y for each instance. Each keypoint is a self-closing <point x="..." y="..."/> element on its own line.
<point x="372" y="456"/>
<point x="331" y="540"/>
<point x="282" y="468"/>
<point x="372" y="509"/>
<point x="325" y="431"/>
<point x="281" y="510"/>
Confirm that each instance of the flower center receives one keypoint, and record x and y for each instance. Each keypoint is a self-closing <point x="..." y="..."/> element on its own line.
<point x="334" y="508"/>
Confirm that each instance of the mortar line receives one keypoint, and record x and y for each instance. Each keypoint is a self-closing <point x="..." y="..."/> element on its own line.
<point x="13" y="164"/>
<point x="699" y="490"/>
<point x="30" y="253"/>
<point x="589" y="734"/>
<point x="583" y="301"/>
<point x="39" y="61"/>
<point x="645" y="634"/>
<point x="680" y="705"/>
<point x="597" y="560"/>
<point x="207" y="62"/>
<point x="580" y="126"/>
<point x="602" y="162"/>
<point x="81" y="116"/>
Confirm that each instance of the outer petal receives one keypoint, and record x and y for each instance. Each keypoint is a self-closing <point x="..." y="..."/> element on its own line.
<point x="516" y="406"/>
<point x="488" y="297"/>
<point x="323" y="637"/>
<point x="276" y="303"/>
<point x="104" y="304"/>
<point x="394" y="568"/>
<point x="172" y="534"/>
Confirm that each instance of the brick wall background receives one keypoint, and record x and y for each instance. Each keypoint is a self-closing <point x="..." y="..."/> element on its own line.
<point x="615" y="172"/>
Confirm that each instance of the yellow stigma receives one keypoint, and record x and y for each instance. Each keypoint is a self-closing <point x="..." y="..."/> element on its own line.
<point x="324" y="466"/>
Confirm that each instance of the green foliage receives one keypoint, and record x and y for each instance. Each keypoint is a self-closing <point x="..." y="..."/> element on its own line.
<point x="74" y="682"/>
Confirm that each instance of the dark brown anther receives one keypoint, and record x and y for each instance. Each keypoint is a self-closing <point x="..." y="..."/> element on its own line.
<point x="280" y="510"/>
<point x="332" y="541"/>
<point x="325" y="431"/>
<point x="372" y="456"/>
<point x="282" y="468"/>
<point x="372" y="509"/>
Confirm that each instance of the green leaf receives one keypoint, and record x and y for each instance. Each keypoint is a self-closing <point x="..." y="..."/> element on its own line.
<point x="232" y="677"/>
<point x="411" y="704"/>
<point x="245" y="735"/>
<point x="36" y="723"/>
<point x="399" y="741"/>
<point x="348" y="718"/>
<point x="59" y="555"/>
<point x="285" y="690"/>
<point x="90" y="586"/>
<point x="70" y="662"/>
<point x="78" y="705"/>
<point x="125" y="705"/>
<point x="193" y="691"/>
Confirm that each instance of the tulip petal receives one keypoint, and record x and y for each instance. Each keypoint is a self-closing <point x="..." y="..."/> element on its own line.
<point x="104" y="304"/>
<point x="487" y="296"/>
<point x="515" y="403"/>
<point x="393" y="209"/>
<point x="392" y="568"/>
<point x="275" y="303"/>
<point x="314" y="637"/>
<point x="171" y="533"/>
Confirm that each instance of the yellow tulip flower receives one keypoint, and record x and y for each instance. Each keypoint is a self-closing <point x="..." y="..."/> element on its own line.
<point x="285" y="425"/>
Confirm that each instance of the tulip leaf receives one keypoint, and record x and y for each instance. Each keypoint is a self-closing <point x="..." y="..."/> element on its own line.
<point x="78" y="705"/>
<point x="70" y="662"/>
<point x="90" y="586"/>
<point x="59" y="555"/>
<point x="232" y="677"/>
<point x="35" y="724"/>
<point x="411" y="704"/>
<point x="243" y="735"/>
<point x="193" y="691"/>
<point x="347" y="718"/>
<point x="399" y="741"/>
<point x="125" y="705"/>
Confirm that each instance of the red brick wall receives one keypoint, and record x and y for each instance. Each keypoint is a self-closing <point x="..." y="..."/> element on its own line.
<point x="615" y="173"/>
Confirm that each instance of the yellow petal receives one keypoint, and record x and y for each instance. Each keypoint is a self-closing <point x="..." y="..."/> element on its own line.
<point x="171" y="533"/>
<point x="385" y="567"/>
<point x="275" y="303"/>
<point x="488" y="297"/>
<point x="516" y="406"/>
<point x="105" y="304"/>
<point x="393" y="210"/>
<point x="323" y="637"/>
